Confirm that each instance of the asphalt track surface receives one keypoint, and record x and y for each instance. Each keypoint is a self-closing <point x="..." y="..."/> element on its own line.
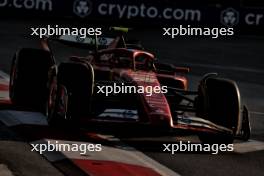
<point x="239" y="58"/>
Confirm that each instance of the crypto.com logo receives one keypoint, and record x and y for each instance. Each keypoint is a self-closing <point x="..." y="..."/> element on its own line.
<point x="229" y="17"/>
<point x="43" y="5"/>
<point x="82" y="8"/>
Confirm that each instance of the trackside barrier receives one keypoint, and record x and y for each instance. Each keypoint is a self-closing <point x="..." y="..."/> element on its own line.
<point x="246" y="19"/>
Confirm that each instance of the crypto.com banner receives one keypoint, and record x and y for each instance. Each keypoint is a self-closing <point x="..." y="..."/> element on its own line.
<point x="138" y="12"/>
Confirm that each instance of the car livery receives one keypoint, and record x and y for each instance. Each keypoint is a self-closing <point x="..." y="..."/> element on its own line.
<point x="66" y="92"/>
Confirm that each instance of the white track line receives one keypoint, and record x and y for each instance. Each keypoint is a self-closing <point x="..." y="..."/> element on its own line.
<point x="139" y="156"/>
<point x="4" y="80"/>
<point x="250" y="146"/>
<point x="257" y="113"/>
<point x="4" y="76"/>
<point x="125" y="155"/>
<point x="4" y="171"/>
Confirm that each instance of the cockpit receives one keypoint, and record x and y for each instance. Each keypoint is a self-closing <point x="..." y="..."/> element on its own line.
<point x="123" y="58"/>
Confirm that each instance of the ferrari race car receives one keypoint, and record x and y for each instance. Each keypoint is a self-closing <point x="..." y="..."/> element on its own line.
<point x="80" y="90"/>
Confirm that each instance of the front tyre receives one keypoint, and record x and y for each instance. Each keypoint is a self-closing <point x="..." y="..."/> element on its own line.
<point x="219" y="102"/>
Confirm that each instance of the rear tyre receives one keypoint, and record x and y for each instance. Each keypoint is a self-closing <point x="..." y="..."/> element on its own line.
<point x="29" y="79"/>
<point x="219" y="102"/>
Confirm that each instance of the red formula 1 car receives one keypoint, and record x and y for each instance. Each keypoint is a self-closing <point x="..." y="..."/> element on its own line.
<point x="82" y="89"/>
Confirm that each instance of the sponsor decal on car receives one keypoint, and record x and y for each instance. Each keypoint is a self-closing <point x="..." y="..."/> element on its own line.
<point x="120" y="113"/>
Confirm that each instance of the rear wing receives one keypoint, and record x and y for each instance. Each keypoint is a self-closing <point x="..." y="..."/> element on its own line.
<point x="90" y="41"/>
<point x="111" y="38"/>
